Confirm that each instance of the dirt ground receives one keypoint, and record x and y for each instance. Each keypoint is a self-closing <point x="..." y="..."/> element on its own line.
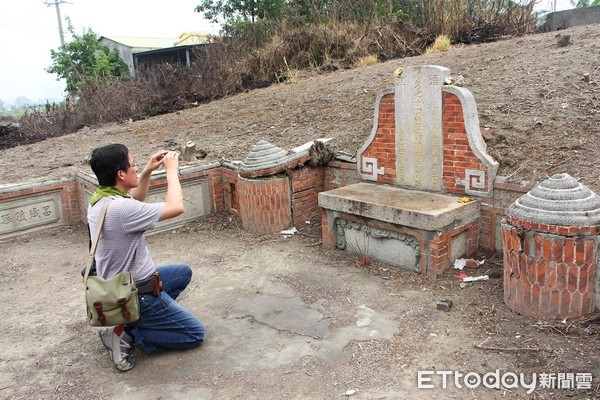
<point x="287" y="318"/>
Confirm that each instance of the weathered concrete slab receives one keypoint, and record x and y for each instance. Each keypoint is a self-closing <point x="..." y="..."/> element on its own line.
<point x="416" y="209"/>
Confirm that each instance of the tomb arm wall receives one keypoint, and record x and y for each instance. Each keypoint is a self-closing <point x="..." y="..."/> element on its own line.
<point x="367" y="143"/>
<point x="476" y="142"/>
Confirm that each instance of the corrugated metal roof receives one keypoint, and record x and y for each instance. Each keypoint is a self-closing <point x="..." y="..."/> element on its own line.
<point x="189" y="38"/>
<point x="140" y="42"/>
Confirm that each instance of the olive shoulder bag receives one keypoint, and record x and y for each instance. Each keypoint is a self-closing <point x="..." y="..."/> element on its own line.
<point x="109" y="302"/>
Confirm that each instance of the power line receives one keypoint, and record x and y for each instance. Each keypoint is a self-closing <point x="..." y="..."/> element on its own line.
<point x="57" y="3"/>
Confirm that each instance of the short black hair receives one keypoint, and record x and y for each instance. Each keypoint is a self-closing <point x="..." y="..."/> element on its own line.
<point x="107" y="161"/>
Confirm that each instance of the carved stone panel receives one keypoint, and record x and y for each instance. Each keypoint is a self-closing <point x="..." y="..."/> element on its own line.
<point x="30" y="212"/>
<point x="394" y="248"/>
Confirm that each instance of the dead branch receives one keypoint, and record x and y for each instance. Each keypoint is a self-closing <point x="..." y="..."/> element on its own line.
<point x="506" y="348"/>
<point x="481" y="346"/>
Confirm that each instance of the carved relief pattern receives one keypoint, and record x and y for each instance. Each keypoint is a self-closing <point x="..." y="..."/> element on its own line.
<point x="418" y="133"/>
<point x="474" y="180"/>
<point x="343" y="225"/>
<point x="436" y="146"/>
<point x="370" y="170"/>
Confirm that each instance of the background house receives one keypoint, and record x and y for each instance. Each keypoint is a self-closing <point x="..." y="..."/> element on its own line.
<point x="139" y="52"/>
<point x="127" y="46"/>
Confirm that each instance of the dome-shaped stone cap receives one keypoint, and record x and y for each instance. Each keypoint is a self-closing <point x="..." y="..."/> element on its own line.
<point x="263" y="155"/>
<point x="559" y="200"/>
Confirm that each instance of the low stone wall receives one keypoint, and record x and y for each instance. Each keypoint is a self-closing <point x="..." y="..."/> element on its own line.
<point x="201" y="186"/>
<point x="40" y="205"/>
<point x="49" y="204"/>
<point x="565" y="19"/>
<point x="44" y="205"/>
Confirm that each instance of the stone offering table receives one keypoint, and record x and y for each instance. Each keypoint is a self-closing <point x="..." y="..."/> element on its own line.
<point x="422" y="225"/>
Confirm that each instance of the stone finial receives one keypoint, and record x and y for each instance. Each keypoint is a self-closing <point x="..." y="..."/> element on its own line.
<point x="263" y="155"/>
<point x="559" y="200"/>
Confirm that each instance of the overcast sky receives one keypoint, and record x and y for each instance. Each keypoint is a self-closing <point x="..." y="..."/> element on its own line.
<point x="29" y="29"/>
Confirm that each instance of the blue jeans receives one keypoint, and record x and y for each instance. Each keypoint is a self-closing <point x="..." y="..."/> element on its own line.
<point x="164" y="324"/>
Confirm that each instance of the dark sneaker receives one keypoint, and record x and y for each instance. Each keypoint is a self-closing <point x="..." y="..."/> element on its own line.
<point x="119" y="348"/>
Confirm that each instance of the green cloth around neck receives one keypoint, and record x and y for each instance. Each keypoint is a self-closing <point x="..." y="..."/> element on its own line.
<point x="105" y="191"/>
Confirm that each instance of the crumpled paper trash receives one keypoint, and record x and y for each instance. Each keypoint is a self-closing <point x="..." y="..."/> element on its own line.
<point x="289" y="232"/>
<point x="469" y="263"/>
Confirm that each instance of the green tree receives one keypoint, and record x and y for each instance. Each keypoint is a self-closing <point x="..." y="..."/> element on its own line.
<point x="85" y="59"/>
<point x="230" y="11"/>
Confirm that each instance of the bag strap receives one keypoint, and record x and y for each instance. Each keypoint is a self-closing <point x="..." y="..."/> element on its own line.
<point x="95" y="240"/>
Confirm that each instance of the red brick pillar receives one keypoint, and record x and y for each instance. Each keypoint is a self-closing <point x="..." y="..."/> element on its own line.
<point x="438" y="254"/>
<point x="265" y="204"/>
<point x="550" y="245"/>
<point x="327" y="232"/>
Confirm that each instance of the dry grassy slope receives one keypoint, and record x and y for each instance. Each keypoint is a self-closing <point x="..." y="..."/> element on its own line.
<point x="542" y="116"/>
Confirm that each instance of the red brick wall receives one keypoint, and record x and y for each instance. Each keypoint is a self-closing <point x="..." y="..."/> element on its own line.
<point x="306" y="185"/>
<point x="230" y="191"/>
<point x="549" y="274"/>
<point x="327" y="235"/>
<point x="265" y="204"/>
<point x="440" y="247"/>
<point x="383" y="146"/>
<point x="68" y="196"/>
<point x="493" y="210"/>
<point x="339" y="174"/>
<point x="458" y="155"/>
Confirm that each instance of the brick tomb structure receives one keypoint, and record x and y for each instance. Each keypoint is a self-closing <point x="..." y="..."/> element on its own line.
<point x="277" y="188"/>
<point x="424" y="153"/>
<point x="550" y="244"/>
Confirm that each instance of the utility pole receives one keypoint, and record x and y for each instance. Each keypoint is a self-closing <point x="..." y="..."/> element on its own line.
<point x="60" y="29"/>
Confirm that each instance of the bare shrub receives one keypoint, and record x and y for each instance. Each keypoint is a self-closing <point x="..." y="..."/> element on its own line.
<point x="275" y="51"/>
<point x="218" y="69"/>
<point x="474" y="21"/>
<point x="394" y="39"/>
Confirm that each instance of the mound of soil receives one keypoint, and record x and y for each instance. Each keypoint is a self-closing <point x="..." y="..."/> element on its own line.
<point x="539" y="114"/>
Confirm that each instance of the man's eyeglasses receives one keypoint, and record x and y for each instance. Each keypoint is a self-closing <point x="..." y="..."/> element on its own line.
<point x="133" y="164"/>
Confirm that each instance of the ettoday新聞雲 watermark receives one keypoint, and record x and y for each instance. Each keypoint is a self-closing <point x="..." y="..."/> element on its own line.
<point x="504" y="380"/>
